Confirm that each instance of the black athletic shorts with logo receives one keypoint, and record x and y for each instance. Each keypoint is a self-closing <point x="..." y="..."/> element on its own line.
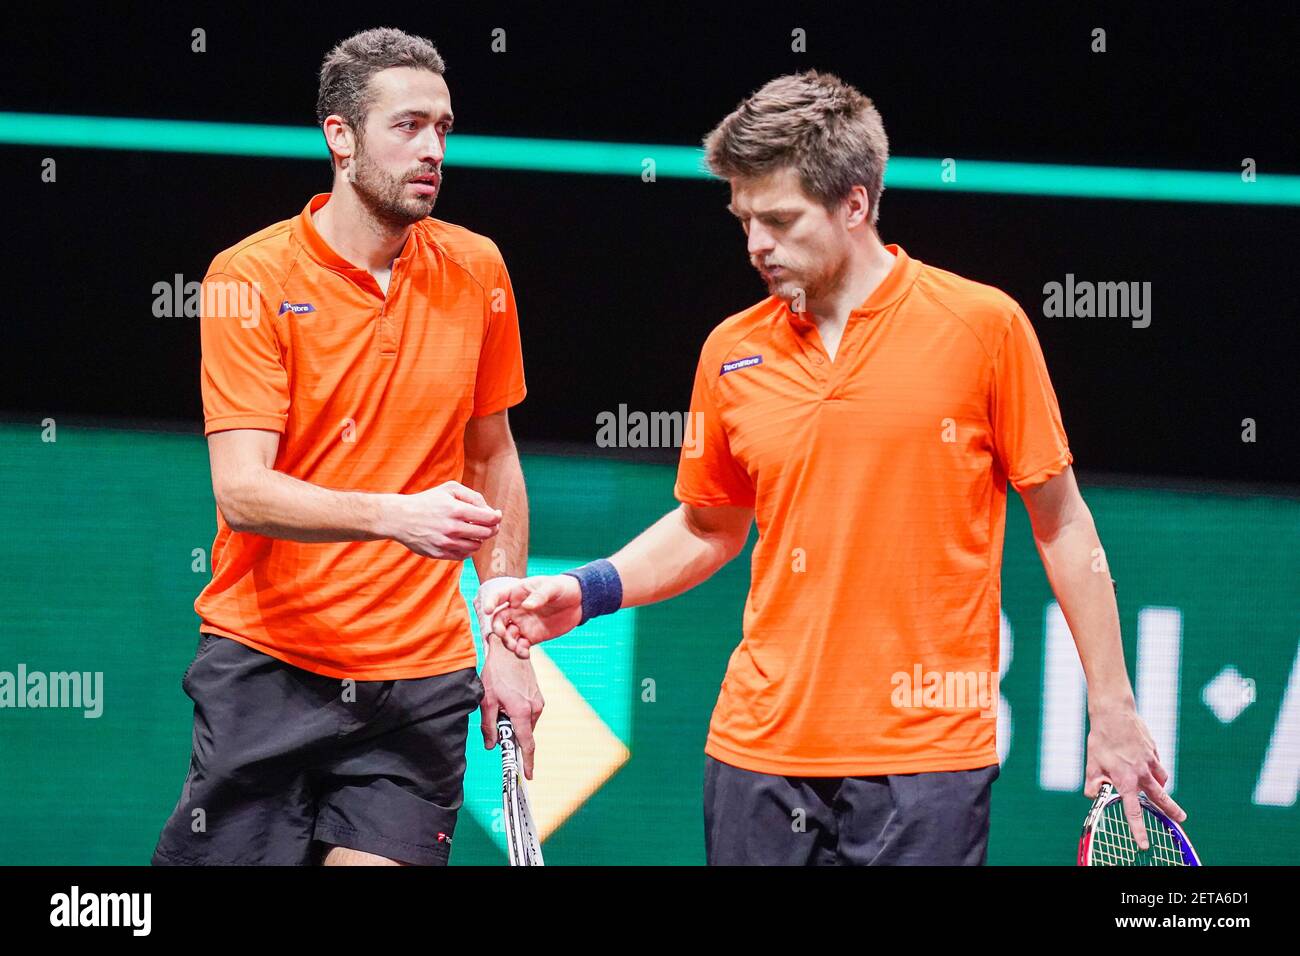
<point x="940" y="818"/>
<point x="286" y="762"/>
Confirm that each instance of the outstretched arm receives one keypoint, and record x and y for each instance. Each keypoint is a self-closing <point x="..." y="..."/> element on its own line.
<point x="680" y="550"/>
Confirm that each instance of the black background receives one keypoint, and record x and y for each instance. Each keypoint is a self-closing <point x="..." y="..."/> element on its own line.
<point x="619" y="281"/>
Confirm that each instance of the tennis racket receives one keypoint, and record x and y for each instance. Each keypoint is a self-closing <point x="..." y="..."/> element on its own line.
<point x="1107" y="840"/>
<point x="522" y="845"/>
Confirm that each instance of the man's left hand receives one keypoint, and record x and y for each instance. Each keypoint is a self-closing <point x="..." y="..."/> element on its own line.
<point x="509" y="683"/>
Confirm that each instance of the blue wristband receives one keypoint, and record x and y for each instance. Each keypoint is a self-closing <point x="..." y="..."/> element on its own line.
<point x="601" y="587"/>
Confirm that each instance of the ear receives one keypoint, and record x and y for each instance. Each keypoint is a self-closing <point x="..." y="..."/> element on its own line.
<point x="857" y="207"/>
<point x="340" y="137"/>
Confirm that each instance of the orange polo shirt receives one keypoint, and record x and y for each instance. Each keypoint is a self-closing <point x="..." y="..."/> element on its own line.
<point x="879" y="485"/>
<point x="369" y="392"/>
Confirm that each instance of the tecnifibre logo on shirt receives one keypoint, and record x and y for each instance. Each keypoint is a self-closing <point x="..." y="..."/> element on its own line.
<point x="741" y="363"/>
<point x="297" y="308"/>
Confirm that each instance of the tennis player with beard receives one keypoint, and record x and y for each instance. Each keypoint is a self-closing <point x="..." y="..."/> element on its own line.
<point x="868" y="414"/>
<point x="356" y="418"/>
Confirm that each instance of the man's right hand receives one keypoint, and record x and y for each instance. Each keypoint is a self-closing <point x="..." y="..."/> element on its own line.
<point x="540" y="608"/>
<point x="449" y="522"/>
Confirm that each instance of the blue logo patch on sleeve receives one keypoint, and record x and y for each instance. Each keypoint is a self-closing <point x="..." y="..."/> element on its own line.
<point x="297" y="308"/>
<point x="741" y="363"/>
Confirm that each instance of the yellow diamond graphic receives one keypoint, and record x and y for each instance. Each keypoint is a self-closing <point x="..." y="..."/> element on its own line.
<point x="576" y="752"/>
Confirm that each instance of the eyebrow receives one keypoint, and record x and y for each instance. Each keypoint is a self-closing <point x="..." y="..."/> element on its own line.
<point x="768" y="213"/>
<point x="420" y="114"/>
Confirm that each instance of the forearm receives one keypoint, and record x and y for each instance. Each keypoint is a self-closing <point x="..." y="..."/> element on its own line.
<point x="500" y="479"/>
<point x="669" y="558"/>
<point x="271" y="503"/>
<point x="1077" y="571"/>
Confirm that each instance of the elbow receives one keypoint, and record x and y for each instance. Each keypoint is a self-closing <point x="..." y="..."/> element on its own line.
<point x="724" y="536"/>
<point x="726" y="547"/>
<point x="1050" y="533"/>
<point x="232" y="498"/>
<point x="230" y="513"/>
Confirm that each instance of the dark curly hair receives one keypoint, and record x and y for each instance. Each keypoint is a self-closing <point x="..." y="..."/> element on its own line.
<point x="346" y="71"/>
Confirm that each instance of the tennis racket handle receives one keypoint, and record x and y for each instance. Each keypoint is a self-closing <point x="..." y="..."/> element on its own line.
<point x="506" y="740"/>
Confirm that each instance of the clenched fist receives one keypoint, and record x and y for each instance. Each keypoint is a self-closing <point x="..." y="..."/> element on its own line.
<point x="449" y="522"/>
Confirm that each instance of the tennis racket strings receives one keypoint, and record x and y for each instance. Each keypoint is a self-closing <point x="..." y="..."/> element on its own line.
<point x="1108" y="841"/>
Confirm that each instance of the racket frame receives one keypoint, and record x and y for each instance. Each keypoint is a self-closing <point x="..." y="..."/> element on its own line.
<point x="1108" y="795"/>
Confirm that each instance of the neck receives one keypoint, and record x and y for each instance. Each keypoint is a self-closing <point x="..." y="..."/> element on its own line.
<point x="354" y="233"/>
<point x="868" y="265"/>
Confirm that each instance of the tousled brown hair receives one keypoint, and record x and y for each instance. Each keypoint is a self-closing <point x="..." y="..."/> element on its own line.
<point x="815" y="123"/>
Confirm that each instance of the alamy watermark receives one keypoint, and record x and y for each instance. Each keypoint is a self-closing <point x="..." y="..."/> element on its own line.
<point x="624" y="429"/>
<point x="215" y="298"/>
<point x="81" y="690"/>
<point x="1103" y="300"/>
<point x="74" y="908"/>
<point x="947" y="690"/>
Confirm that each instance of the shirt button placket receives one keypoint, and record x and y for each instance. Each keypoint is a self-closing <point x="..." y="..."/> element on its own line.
<point x="821" y="372"/>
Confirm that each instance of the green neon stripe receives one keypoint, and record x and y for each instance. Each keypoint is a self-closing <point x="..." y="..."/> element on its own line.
<point x="628" y="159"/>
<point x="1095" y="182"/>
<point x="166" y="136"/>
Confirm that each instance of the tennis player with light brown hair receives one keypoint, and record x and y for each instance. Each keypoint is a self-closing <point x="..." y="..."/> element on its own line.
<point x="869" y="414"/>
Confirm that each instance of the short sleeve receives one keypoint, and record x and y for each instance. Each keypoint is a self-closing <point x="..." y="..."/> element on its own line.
<point x="1028" y="436"/>
<point x="707" y="473"/>
<point x="500" y="380"/>
<point x="244" y="380"/>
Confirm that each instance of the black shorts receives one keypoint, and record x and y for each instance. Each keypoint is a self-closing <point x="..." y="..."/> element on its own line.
<point x="285" y="762"/>
<point x="939" y="818"/>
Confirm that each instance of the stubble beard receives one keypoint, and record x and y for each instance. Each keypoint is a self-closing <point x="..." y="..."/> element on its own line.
<point x="385" y="196"/>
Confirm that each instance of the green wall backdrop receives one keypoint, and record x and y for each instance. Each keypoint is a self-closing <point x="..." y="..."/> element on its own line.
<point x="98" y="535"/>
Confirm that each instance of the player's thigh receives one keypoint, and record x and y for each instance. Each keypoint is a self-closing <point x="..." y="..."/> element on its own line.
<point x="259" y="725"/>
<point x="345" y="856"/>
<point x="759" y="819"/>
<point x="395" y="786"/>
<point x="938" y="818"/>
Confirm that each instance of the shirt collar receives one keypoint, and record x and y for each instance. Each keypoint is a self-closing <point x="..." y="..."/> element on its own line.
<point x="322" y="252"/>
<point x="894" y="286"/>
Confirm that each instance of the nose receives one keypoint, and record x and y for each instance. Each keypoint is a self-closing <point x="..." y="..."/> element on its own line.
<point x="432" y="148"/>
<point x="760" y="242"/>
